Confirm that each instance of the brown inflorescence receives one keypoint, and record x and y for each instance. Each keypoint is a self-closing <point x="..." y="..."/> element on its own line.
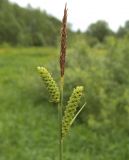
<point x="63" y="42"/>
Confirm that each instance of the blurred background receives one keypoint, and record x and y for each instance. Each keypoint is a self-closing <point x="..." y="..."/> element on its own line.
<point x="97" y="57"/>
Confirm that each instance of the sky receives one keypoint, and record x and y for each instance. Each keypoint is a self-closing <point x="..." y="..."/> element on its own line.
<point x="81" y="13"/>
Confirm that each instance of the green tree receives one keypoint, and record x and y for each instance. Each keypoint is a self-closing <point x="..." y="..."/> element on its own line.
<point x="123" y="31"/>
<point x="27" y="26"/>
<point x="99" y="30"/>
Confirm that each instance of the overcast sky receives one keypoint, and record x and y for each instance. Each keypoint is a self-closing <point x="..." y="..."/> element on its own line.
<point x="81" y="13"/>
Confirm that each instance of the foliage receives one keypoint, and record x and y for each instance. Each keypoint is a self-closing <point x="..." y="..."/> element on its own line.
<point x="104" y="72"/>
<point x="27" y="26"/>
<point x="29" y="132"/>
<point x="98" y="60"/>
<point x="123" y="31"/>
<point x="99" y="30"/>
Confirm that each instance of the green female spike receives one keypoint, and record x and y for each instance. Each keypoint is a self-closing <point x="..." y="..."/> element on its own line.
<point x="71" y="109"/>
<point x="50" y="84"/>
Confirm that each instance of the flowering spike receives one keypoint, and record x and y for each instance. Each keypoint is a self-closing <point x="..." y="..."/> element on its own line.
<point x="71" y="109"/>
<point x="63" y="42"/>
<point x="50" y="84"/>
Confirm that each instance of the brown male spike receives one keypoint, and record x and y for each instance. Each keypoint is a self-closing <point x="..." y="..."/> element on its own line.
<point x="63" y="42"/>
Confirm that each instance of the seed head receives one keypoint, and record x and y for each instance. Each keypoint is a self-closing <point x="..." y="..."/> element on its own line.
<point x="71" y="109"/>
<point x="50" y="84"/>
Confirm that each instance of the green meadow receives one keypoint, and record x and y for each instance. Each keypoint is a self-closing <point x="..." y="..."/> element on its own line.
<point x="97" y="59"/>
<point x="29" y="123"/>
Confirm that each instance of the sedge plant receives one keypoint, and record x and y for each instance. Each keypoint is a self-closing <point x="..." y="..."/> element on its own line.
<point x="71" y="112"/>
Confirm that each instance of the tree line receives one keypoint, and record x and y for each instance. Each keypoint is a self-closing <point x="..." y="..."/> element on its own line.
<point x="27" y="26"/>
<point x="33" y="27"/>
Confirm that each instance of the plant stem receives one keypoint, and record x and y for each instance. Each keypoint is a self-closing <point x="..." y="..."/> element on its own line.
<point x="60" y="109"/>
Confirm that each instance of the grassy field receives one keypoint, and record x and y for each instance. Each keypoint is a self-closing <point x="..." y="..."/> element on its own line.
<point x="28" y="123"/>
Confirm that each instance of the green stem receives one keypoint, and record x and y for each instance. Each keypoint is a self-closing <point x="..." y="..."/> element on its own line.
<point x="60" y="110"/>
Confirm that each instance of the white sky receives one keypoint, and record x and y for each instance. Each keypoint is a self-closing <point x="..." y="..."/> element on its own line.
<point x="81" y="13"/>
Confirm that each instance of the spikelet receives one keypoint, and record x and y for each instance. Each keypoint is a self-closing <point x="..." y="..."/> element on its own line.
<point x="50" y="84"/>
<point x="63" y="42"/>
<point x="71" y="109"/>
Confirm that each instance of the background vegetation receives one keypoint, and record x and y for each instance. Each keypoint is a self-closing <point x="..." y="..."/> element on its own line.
<point x="97" y="58"/>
